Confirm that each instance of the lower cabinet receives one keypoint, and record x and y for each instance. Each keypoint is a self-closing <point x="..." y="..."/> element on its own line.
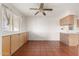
<point x="73" y="40"/>
<point x="69" y="39"/>
<point x="6" y="48"/>
<point x="64" y="38"/>
<point x="12" y="43"/>
<point x="22" y="38"/>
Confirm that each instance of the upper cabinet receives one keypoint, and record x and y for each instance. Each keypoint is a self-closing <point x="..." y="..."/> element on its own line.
<point x="68" y="20"/>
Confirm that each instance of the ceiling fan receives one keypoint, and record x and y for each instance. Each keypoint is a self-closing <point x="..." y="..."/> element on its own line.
<point x="41" y="9"/>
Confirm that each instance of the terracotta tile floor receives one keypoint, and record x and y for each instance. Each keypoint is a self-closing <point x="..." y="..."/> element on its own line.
<point x="46" y="48"/>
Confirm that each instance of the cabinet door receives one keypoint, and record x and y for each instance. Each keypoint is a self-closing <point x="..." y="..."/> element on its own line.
<point x="14" y="43"/>
<point x="68" y="20"/>
<point x="22" y="40"/>
<point x="64" y="38"/>
<point x="25" y="35"/>
<point x="6" y="46"/>
<point x="73" y="40"/>
<point x="61" y="22"/>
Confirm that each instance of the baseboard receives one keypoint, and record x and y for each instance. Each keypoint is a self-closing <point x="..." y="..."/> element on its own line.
<point x="44" y="40"/>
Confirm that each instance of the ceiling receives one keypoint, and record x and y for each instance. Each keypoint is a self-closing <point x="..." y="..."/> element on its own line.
<point x="59" y="9"/>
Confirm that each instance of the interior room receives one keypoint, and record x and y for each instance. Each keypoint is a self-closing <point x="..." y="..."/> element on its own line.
<point x="39" y="29"/>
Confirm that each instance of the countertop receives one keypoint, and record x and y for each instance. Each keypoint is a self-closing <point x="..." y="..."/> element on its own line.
<point x="9" y="33"/>
<point x="69" y="31"/>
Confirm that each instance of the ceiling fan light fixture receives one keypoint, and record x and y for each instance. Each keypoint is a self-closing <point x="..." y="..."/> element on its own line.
<point x="41" y="9"/>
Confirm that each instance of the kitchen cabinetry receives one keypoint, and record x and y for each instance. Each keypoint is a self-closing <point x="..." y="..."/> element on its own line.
<point x="12" y="43"/>
<point x="26" y="37"/>
<point x="73" y="39"/>
<point x="68" y="20"/>
<point x="69" y="39"/>
<point x="22" y="38"/>
<point x="64" y="38"/>
<point x="6" y="46"/>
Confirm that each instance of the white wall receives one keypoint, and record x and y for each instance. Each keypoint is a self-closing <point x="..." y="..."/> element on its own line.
<point x="43" y="27"/>
<point x="23" y="21"/>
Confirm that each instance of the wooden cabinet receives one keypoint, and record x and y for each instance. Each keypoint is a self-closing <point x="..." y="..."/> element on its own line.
<point x="68" y="20"/>
<point x="69" y="39"/>
<point x="13" y="42"/>
<point x="23" y="38"/>
<point x="73" y="39"/>
<point x="17" y="40"/>
<point x="6" y="46"/>
<point x="64" y="38"/>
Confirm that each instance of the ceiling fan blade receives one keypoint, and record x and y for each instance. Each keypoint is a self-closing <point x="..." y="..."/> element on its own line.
<point x="34" y="8"/>
<point x="44" y="13"/>
<point x="41" y="5"/>
<point x="36" y="12"/>
<point x="47" y="9"/>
